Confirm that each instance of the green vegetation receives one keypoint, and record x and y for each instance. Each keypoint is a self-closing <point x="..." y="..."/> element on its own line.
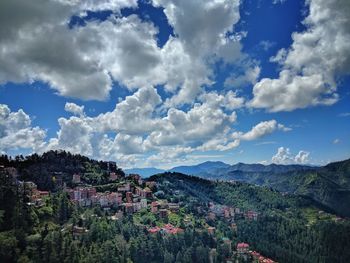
<point x="290" y="228"/>
<point x="328" y="185"/>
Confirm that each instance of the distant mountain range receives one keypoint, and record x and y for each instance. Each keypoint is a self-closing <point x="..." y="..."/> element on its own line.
<point x="144" y="172"/>
<point x="216" y="170"/>
<point x="328" y="185"/>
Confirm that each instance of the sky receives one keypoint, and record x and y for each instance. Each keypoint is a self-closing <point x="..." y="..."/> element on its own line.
<point x="161" y="83"/>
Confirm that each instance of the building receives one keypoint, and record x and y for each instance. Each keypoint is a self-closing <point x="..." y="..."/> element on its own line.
<point x="113" y="176"/>
<point x="143" y="203"/>
<point x="76" y="179"/>
<point x="154" y="230"/>
<point x="211" y="230"/>
<point x="124" y="188"/>
<point x="242" y="248"/>
<point x="129" y="197"/>
<point x="163" y="213"/>
<point x="136" y="206"/>
<point x="173" y="207"/>
<point x="154" y="207"/>
<point x="251" y="215"/>
<point x="79" y="231"/>
<point x="170" y="229"/>
<point x="129" y="208"/>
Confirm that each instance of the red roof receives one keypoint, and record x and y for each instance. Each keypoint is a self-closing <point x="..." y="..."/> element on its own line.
<point x="242" y="245"/>
<point x="154" y="230"/>
<point x="255" y="254"/>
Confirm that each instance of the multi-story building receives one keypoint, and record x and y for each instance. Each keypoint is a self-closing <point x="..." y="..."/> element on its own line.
<point x="242" y="248"/>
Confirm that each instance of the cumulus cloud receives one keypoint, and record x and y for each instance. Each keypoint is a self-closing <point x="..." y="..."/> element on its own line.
<point x="284" y="156"/>
<point x="137" y="131"/>
<point x="249" y="77"/>
<point x="312" y="64"/>
<point x="260" y="130"/>
<point x="201" y="31"/>
<point x="74" y="108"/>
<point x="37" y="43"/>
<point x="16" y="131"/>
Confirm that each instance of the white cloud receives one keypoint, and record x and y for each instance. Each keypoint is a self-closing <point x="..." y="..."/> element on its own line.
<point x="83" y="61"/>
<point x="136" y="129"/>
<point x="16" y="131"/>
<point x="74" y="108"/>
<point x="275" y="2"/>
<point x="260" y="130"/>
<point x="249" y="77"/>
<point x="284" y="156"/>
<point x="201" y="34"/>
<point x="311" y="66"/>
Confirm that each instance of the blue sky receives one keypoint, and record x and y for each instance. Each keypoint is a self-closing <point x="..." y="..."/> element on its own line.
<point x="162" y="83"/>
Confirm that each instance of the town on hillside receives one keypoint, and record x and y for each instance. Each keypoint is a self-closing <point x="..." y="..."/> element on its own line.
<point x="133" y="197"/>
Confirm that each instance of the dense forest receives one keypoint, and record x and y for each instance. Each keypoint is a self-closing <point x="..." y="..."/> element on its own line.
<point x="291" y="228"/>
<point x="328" y="185"/>
<point x="46" y="168"/>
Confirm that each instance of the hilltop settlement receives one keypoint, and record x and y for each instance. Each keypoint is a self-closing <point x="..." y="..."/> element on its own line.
<point x="165" y="218"/>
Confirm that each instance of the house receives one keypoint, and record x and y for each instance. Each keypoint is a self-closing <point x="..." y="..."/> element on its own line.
<point x="170" y="229"/>
<point x="79" y="231"/>
<point x="124" y="188"/>
<point x="147" y="193"/>
<point x="173" y="207"/>
<point x="113" y="176"/>
<point x="251" y="215"/>
<point x="143" y="203"/>
<point x="76" y="178"/>
<point x="136" y="206"/>
<point x="255" y="255"/>
<point x="154" y="207"/>
<point x="163" y="213"/>
<point x="103" y="200"/>
<point x="211" y="230"/>
<point x="154" y="230"/>
<point x="129" y="197"/>
<point x="91" y="191"/>
<point x="242" y="248"/>
<point x="129" y="208"/>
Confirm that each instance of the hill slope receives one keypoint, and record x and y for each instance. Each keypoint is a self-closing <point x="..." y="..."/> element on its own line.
<point x="328" y="185"/>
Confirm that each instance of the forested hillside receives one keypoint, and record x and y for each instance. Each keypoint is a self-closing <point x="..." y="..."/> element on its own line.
<point x="328" y="185"/>
<point x="290" y="228"/>
<point x="51" y="166"/>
